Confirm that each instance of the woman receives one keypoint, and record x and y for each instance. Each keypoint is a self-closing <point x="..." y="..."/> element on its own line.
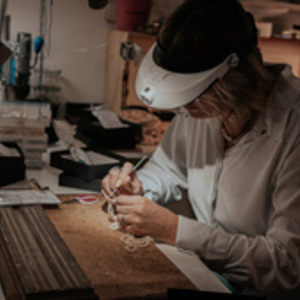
<point x="236" y="149"/>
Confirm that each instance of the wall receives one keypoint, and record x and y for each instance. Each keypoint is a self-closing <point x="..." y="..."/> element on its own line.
<point x="78" y="42"/>
<point x="77" y="48"/>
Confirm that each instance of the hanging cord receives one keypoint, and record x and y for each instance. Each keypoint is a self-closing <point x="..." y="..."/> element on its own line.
<point x="48" y="29"/>
<point x="43" y="43"/>
<point x="2" y="16"/>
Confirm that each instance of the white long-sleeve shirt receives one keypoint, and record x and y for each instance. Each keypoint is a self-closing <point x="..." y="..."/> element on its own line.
<point x="246" y="199"/>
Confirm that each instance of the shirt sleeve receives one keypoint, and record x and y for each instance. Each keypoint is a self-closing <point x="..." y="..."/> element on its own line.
<point x="265" y="263"/>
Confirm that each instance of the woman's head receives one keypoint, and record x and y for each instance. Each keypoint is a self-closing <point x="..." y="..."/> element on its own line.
<point x="210" y="30"/>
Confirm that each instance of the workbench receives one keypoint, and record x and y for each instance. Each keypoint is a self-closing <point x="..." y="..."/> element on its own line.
<point x="114" y="272"/>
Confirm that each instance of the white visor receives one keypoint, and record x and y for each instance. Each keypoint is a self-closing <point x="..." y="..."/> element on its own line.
<point x="163" y="89"/>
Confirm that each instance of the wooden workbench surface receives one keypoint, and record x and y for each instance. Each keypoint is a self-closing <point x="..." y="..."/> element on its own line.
<point x="113" y="271"/>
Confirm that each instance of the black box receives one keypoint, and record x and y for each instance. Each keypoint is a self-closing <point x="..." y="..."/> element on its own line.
<point x="76" y="112"/>
<point x="13" y="167"/>
<point x="79" y="183"/>
<point x="94" y="134"/>
<point x="58" y="159"/>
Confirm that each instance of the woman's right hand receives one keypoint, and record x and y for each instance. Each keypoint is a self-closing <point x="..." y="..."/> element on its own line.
<point x="124" y="178"/>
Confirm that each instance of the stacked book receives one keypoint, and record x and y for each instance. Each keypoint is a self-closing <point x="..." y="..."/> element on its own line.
<point x="24" y="122"/>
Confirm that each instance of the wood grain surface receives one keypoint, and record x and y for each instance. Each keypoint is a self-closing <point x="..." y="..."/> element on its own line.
<point x="35" y="263"/>
<point x="114" y="272"/>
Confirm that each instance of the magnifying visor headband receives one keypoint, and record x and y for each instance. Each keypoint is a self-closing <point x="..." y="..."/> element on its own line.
<point x="176" y="82"/>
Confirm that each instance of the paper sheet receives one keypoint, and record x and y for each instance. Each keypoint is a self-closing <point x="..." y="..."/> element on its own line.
<point x="96" y="158"/>
<point x="27" y="197"/>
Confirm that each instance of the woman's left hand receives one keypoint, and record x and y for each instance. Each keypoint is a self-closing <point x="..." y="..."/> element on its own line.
<point x="141" y="216"/>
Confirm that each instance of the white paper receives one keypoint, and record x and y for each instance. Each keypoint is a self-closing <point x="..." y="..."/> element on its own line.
<point x="106" y="117"/>
<point x="27" y="197"/>
<point x="9" y="152"/>
<point x="96" y="158"/>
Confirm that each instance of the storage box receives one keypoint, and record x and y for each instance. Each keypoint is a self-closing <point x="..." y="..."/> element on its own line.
<point x="265" y="29"/>
<point x="94" y="134"/>
<point x="12" y="167"/>
<point x="79" y="183"/>
<point x="76" y="112"/>
<point x="63" y="161"/>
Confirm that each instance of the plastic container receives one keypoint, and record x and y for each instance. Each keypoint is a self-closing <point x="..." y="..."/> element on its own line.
<point x="132" y="13"/>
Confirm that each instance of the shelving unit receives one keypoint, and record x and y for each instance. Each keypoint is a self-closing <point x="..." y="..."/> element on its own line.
<point x="281" y="50"/>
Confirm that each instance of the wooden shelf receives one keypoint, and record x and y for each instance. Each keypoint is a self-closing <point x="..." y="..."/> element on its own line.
<point x="120" y="75"/>
<point x="279" y="50"/>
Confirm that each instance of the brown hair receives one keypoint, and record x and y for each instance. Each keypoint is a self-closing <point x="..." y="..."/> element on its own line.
<point x="244" y="88"/>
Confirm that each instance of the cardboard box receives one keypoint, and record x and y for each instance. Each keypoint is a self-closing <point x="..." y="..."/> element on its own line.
<point x="265" y="29"/>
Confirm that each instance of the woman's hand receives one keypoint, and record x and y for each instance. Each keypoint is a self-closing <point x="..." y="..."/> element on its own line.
<point x="141" y="216"/>
<point x="125" y="179"/>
